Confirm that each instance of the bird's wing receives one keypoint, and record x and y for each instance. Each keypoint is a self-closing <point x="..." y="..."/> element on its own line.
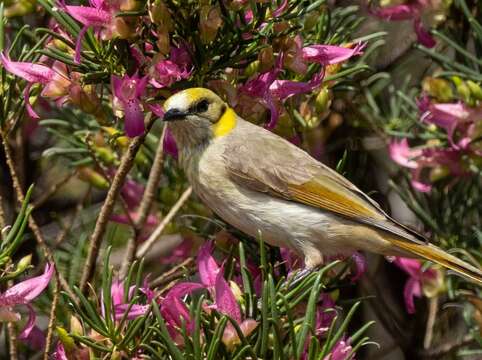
<point x="270" y="164"/>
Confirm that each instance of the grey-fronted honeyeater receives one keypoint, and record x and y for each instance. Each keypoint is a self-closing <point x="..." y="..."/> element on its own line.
<point x="260" y="183"/>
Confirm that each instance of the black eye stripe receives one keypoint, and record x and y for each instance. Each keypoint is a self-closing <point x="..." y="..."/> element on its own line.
<point x="200" y="107"/>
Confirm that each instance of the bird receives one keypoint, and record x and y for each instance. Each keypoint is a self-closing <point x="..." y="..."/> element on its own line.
<point x="263" y="185"/>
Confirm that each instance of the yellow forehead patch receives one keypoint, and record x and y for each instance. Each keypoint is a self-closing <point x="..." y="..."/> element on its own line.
<point x="226" y="123"/>
<point x="185" y="97"/>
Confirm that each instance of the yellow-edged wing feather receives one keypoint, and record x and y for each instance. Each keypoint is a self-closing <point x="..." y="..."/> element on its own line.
<point x="271" y="164"/>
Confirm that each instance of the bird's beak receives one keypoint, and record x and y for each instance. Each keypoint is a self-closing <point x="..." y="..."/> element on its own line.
<point x="174" y="114"/>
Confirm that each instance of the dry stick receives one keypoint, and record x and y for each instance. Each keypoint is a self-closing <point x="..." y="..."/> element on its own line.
<point x="12" y="341"/>
<point x="53" y="189"/>
<point x="70" y="222"/>
<point x="166" y="220"/>
<point x="50" y="331"/>
<point x="432" y="316"/>
<point x="172" y="274"/>
<point x="31" y="221"/>
<point x="106" y="210"/>
<point x="145" y="205"/>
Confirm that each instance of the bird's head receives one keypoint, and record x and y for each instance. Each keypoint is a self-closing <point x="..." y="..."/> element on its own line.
<point x="198" y="115"/>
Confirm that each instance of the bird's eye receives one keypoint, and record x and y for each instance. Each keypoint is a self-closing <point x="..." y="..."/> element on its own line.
<point x="202" y="106"/>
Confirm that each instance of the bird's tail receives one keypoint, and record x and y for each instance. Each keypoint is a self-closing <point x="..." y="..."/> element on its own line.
<point x="437" y="255"/>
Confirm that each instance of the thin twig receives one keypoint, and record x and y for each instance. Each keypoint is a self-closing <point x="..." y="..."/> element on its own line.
<point x="53" y="189"/>
<point x="31" y="221"/>
<point x="172" y="273"/>
<point x="12" y="335"/>
<point x="432" y="316"/>
<point x="145" y="205"/>
<point x="70" y="222"/>
<point x="166" y="220"/>
<point x="50" y="329"/>
<point x="108" y="206"/>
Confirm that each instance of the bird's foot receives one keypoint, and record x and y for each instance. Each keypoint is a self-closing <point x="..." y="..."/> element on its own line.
<point x="294" y="280"/>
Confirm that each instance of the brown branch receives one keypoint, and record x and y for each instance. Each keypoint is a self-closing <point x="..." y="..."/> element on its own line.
<point x="166" y="220"/>
<point x="432" y="316"/>
<point x="53" y="189"/>
<point x="106" y="210"/>
<point x="12" y="335"/>
<point x="70" y="222"/>
<point x="50" y="329"/>
<point x="145" y="205"/>
<point x="31" y="221"/>
<point x="173" y="273"/>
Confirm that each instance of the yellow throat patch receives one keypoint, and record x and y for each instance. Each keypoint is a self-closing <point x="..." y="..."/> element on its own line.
<point x="226" y="123"/>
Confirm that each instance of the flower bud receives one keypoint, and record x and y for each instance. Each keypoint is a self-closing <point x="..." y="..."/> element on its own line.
<point x="23" y="264"/>
<point x="209" y="23"/>
<point x="475" y="89"/>
<point x="438" y="173"/>
<point x="160" y="15"/>
<point x="93" y="177"/>
<point x="434" y="285"/>
<point x="266" y="59"/>
<point x="76" y="326"/>
<point x="20" y="8"/>
<point x="323" y="100"/>
<point x="464" y="91"/>
<point x="238" y="294"/>
<point x="438" y="88"/>
<point x="105" y="154"/>
<point x="65" y="339"/>
<point x="252" y="68"/>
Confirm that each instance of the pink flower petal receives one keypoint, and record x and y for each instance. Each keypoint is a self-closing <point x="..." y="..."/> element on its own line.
<point x="423" y="35"/>
<point x="401" y="153"/>
<point x="169" y="145"/>
<point x="396" y="12"/>
<point x="133" y="118"/>
<point x="59" y="353"/>
<point x="361" y="266"/>
<point x="225" y="301"/>
<point x="33" y="73"/>
<point x="31" y="288"/>
<point x="30" y="323"/>
<point x="330" y="54"/>
<point x="207" y="266"/>
<point x="412" y="288"/>
<point x="89" y="16"/>
<point x="284" y="89"/>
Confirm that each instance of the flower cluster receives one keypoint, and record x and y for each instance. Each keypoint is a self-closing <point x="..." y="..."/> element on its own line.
<point x="451" y="155"/>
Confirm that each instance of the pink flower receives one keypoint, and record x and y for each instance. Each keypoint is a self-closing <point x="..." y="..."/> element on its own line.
<point x="324" y="315"/>
<point x="99" y="15"/>
<point x="175" y="312"/>
<point x="128" y="91"/>
<point x="22" y="294"/>
<point x="169" y="145"/>
<point x="59" y="353"/>
<point x="412" y="10"/>
<point x="166" y="72"/>
<point x="330" y="54"/>
<point x="452" y="117"/>
<point x="341" y="351"/>
<point x="55" y="81"/>
<point x="132" y="192"/>
<point x="403" y="155"/>
<point x="211" y="276"/>
<point x="120" y="307"/>
<point x="417" y="278"/>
